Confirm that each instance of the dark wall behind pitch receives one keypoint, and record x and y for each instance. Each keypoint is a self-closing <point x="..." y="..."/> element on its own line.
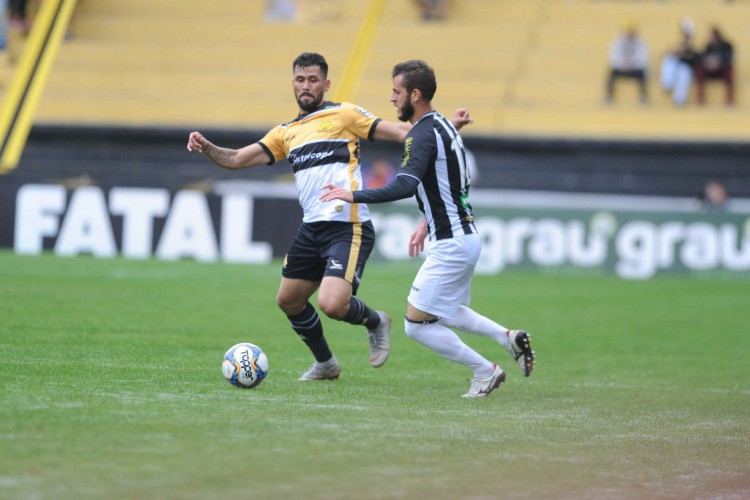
<point x="149" y="157"/>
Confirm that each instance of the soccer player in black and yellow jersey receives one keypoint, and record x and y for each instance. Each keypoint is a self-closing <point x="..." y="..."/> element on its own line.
<point x="333" y="242"/>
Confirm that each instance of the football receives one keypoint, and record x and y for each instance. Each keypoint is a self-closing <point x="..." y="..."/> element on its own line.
<point x="245" y="365"/>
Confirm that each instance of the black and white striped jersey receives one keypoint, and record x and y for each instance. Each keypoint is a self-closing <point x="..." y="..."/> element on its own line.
<point x="434" y="154"/>
<point x="434" y="169"/>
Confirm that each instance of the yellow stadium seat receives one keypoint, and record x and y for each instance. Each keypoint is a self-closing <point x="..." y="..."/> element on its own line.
<point x="521" y="66"/>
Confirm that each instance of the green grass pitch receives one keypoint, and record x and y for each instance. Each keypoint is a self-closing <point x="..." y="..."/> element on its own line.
<point x="111" y="387"/>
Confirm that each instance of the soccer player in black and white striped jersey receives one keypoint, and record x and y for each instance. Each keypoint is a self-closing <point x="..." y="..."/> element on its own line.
<point x="434" y="169"/>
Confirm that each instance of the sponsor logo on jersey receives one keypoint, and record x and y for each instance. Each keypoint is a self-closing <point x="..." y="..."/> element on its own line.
<point x="325" y="126"/>
<point x="364" y="112"/>
<point x="319" y="153"/>
<point x="407" y="151"/>
<point x="315" y="155"/>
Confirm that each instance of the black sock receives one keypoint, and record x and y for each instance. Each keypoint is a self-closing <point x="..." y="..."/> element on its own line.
<point x="360" y="314"/>
<point x="309" y="328"/>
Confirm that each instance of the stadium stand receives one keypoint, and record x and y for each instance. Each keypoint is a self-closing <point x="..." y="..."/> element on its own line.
<point x="524" y="68"/>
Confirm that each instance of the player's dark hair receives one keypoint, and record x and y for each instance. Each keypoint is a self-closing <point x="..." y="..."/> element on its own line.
<point x="417" y="75"/>
<point x="307" y="59"/>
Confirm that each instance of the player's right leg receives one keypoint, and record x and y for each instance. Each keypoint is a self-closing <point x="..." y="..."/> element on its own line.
<point x="293" y="299"/>
<point x="301" y="277"/>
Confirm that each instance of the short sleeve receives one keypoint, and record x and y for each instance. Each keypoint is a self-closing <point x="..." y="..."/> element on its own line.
<point x="272" y="143"/>
<point x="358" y="120"/>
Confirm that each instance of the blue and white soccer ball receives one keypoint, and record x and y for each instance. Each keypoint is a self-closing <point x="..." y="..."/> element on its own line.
<point x="245" y="365"/>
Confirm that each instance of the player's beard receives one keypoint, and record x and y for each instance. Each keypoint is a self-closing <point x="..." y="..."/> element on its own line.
<point x="406" y="112"/>
<point x="309" y="107"/>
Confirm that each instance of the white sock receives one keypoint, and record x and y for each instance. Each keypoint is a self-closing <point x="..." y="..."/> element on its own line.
<point x="447" y="344"/>
<point x="331" y="362"/>
<point x="469" y="321"/>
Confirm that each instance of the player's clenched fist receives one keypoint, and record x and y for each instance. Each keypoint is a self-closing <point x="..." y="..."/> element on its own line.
<point x="196" y="142"/>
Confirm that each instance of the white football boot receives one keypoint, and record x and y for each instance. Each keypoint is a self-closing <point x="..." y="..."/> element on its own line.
<point x="519" y="348"/>
<point x="322" y="371"/>
<point x="380" y="341"/>
<point x="482" y="387"/>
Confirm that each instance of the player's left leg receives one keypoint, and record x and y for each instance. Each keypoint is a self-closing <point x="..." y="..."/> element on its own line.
<point x="350" y="246"/>
<point x="336" y="300"/>
<point x="468" y="320"/>
<point x="426" y="330"/>
<point x="442" y="283"/>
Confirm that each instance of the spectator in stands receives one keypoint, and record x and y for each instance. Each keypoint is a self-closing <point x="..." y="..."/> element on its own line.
<point x="716" y="63"/>
<point x="628" y="58"/>
<point x="432" y="10"/>
<point x="20" y="15"/>
<point x="677" y="66"/>
<point x="714" y="197"/>
<point x="3" y="19"/>
<point x="17" y="14"/>
<point x="280" y="11"/>
<point x="17" y="29"/>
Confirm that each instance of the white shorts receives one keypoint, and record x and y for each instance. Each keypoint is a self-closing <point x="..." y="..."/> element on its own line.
<point x="443" y="282"/>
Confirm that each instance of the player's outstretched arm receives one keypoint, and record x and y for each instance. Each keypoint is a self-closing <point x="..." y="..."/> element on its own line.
<point x="404" y="186"/>
<point x="231" y="159"/>
<point x="391" y="131"/>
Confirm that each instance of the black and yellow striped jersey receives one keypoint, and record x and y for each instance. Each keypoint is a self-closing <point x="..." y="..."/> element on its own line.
<point x="323" y="148"/>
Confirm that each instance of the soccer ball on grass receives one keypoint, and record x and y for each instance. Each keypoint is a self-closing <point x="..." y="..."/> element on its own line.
<point x="245" y="365"/>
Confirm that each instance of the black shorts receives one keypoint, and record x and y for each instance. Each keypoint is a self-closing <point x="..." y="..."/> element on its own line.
<point x="330" y="249"/>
